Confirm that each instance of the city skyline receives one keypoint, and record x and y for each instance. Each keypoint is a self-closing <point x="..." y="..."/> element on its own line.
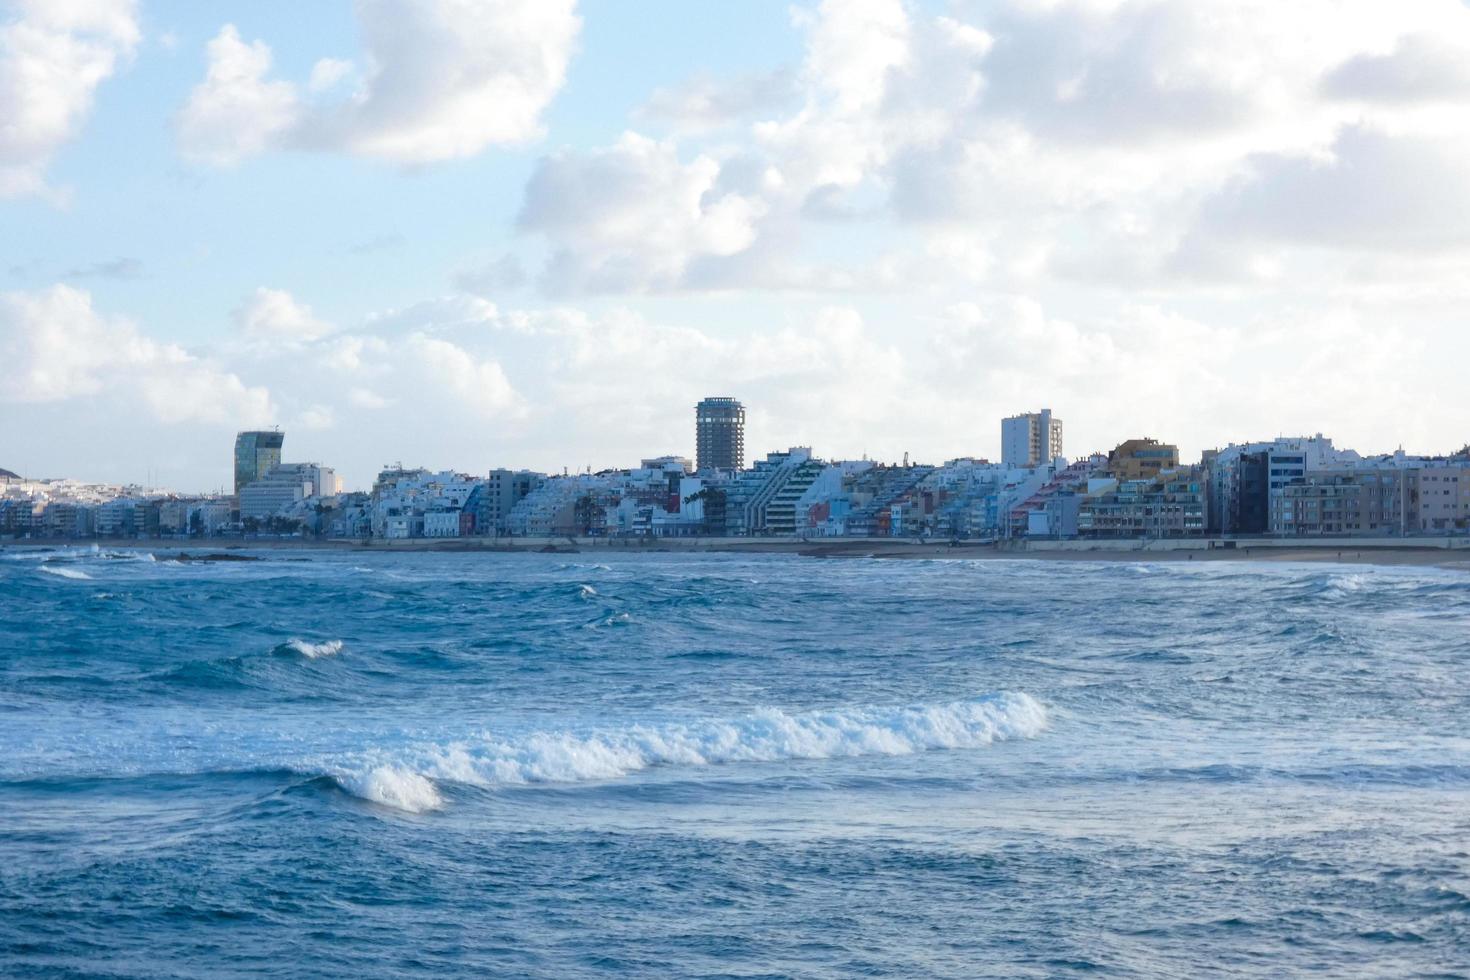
<point x="884" y="223"/>
<point x="273" y="457"/>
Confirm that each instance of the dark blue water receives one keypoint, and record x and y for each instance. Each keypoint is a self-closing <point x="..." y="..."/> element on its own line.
<point x="342" y="764"/>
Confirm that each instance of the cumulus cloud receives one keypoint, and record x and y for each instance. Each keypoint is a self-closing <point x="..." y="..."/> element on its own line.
<point x="236" y="111"/>
<point x="477" y="384"/>
<point x="459" y="382"/>
<point x="276" y="314"/>
<point x="55" y="347"/>
<point x="1420" y="68"/>
<point x="53" y="56"/>
<point x="704" y="102"/>
<point x="327" y="73"/>
<point x="440" y="80"/>
<point x="1371" y="191"/>
<point x="1251" y="211"/>
<point x="633" y="215"/>
<point x="853" y="46"/>
<point x="1056" y="142"/>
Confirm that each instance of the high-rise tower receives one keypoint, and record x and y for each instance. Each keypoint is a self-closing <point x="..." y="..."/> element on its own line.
<point x="719" y="434"/>
<point x="256" y="453"/>
<point x="1030" y="440"/>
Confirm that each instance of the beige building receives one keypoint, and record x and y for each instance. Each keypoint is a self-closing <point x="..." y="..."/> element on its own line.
<point x="1352" y="502"/>
<point x="1444" y="498"/>
<point x="1170" y="506"/>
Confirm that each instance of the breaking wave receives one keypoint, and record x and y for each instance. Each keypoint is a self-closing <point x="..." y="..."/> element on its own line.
<point x="61" y="572"/>
<point x="312" y="651"/>
<point x="407" y="780"/>
<point x="394" y="786"/>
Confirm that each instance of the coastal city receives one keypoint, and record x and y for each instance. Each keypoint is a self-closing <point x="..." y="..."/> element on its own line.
<point x="1283" y="488"/>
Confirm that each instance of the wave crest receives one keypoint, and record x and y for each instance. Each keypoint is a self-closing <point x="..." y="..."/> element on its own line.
<point x="61" y="572"/>
<point x="312" y="651"/>
<point x="395" y="786"/>
<point x="768" y="735"/>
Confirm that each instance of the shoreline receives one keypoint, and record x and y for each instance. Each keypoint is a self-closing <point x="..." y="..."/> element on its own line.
<point x="1354" y="553"/>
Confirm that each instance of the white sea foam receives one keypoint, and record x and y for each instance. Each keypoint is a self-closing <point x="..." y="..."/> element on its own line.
<point x="588" y="592"/>
<point x="393" y="786"/>
<point x="768" y="735"/>
<point x="73" y="573"/>
<point x="327" y="648"/>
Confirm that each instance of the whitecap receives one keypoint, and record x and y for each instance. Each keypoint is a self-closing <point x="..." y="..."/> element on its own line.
<point x="395" y="786"/>
<point x="60" y="572"/>
<point x="766" y="735"/>
<point x="312" y="651"/>
<point x="588" y="592"/>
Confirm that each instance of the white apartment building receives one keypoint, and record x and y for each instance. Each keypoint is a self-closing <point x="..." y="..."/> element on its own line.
<point x="441" y="524"/>
<point x="1030" y="440"/>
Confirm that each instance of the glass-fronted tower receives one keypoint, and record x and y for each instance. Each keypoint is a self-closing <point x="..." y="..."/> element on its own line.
<point x="256" y="453"/>
<point x="719" y="434"/>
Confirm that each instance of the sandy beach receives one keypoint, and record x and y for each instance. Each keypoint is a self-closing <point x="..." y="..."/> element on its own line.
<point x="1436" y="555"/>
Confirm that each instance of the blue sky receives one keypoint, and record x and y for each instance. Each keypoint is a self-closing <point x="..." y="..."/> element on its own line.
<point x="472" y="233"/>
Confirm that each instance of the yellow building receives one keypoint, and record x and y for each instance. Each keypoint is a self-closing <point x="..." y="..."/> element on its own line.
<point x="1142" y="459"/>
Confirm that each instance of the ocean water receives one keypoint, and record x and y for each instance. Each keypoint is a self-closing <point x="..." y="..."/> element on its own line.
<point x="368" y="765"/>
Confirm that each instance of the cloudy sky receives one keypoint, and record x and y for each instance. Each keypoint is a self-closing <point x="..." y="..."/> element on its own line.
<point x="475" y="233"/>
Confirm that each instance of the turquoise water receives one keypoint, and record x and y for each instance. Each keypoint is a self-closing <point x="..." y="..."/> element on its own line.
<point x="333" y="763"/>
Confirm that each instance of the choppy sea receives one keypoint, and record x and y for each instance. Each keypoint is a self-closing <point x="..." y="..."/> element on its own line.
<point x="356" y="764"/>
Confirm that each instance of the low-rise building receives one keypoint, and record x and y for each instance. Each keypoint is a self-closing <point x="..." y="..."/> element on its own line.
<point x="1141" y="459"/>
<point x="1354" y="502"/>
<point x="1444" y="497"/>
<point x="284" y="486"/>
<point x="1171" y="505"/>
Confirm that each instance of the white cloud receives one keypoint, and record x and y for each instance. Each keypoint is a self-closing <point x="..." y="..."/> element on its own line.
<point x="1372" y="191"/>
<point x="53" y="56"/>
<point x="633" y="216"/>
<point x="853" y="45"/>
<point x="1423" y="67"/>
<point x="475" y="384"/>
<point x="458" y="382"/>
<point x="442" y="79"/>
<point x="705" y="102"/>
<point x="315" y="418"/>
<point x="1073" y="140"/>
<point x="236" y="112"/>
<point x="327" y="73"/>
<point x="55" y="347"/>
<point x="365" y="398"/>
<point x="1252" y="212"/>
<point x="275" y="314"/>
